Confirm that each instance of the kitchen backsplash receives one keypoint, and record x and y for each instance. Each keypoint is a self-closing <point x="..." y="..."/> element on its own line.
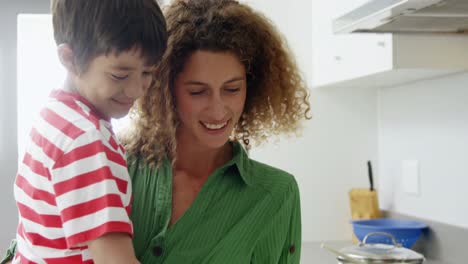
<point x="440" y="241"/>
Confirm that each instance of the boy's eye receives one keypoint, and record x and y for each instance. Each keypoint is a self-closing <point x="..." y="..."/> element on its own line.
<point x="146" y="73"/>
<point x="119" y="77"/>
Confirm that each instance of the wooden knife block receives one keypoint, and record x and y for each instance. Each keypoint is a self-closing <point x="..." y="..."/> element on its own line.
<point x="364" y="205"/>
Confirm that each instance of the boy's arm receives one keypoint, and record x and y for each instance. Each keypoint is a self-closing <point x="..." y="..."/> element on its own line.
<point x="92" y="189"/>
<point x="118" y="244"/>
<point x="113" y="248"/>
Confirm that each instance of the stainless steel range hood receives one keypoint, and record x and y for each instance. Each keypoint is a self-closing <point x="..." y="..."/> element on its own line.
<point x="406" y="16"/>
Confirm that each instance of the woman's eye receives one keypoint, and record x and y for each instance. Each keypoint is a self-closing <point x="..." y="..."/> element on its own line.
<point x="232" y="90"/>
<point x="146" y="73"/>
<point x="197" y="92"/>
<point x="119" y="77"/>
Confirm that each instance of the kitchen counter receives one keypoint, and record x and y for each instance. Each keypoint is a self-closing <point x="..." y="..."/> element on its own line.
<point x="313" y="254"/>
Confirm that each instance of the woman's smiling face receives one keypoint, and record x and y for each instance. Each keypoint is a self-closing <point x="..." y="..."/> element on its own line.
<point x="210" y="95"/>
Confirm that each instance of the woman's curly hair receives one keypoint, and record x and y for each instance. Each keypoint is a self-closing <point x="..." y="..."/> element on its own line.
<point x="277" y="97"/>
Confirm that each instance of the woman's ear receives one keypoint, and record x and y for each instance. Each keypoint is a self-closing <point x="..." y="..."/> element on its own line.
<point x="65" y="54"/>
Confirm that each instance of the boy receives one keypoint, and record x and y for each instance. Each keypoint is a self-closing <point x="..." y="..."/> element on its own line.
<point x="72" y="189"/>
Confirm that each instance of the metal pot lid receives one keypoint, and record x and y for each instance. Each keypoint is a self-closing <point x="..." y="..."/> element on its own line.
<point x="382" y="253"/>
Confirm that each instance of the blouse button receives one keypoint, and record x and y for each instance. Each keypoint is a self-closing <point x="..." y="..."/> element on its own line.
<point x="292" y="249"/>
<point x="157" y="251"/>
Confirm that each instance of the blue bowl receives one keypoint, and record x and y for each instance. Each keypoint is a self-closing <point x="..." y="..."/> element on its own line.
<point x="406" y="232"/>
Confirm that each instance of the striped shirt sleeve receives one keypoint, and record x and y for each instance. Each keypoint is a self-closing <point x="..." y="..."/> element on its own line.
<point x="92" y="189"/>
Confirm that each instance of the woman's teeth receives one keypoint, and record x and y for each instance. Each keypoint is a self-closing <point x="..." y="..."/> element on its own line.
<point x="214" y="126"/>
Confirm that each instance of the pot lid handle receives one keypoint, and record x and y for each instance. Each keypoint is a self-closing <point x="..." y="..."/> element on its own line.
<point x="394" y="242"/>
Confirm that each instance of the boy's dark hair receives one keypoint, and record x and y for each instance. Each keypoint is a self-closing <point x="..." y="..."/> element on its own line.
<point x="96" y="27"/>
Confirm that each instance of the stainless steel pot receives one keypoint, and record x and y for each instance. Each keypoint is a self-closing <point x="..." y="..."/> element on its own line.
<point x="379" y="253"/>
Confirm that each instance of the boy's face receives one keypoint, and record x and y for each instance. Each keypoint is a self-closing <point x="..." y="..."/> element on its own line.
<point x="113" y="82"/>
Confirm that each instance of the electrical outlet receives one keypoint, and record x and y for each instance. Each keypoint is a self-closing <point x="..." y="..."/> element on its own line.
<point x="410" y="176"/>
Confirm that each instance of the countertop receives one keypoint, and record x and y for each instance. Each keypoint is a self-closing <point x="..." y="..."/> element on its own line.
<point x="312" y="253"/>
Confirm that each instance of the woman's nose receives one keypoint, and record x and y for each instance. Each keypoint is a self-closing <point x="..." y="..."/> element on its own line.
<point x="217" y="108"/>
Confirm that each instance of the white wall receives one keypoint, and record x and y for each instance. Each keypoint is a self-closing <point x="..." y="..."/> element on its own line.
<point x="331" y="155"/>
<point x="294" y="20"/>
<point x="426" y="121"/>
<point x="329" y="158"/>
<point x="8" y="109"/>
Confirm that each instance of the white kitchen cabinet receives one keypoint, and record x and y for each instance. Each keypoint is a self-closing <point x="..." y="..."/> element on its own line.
<point x="366" y="59"/>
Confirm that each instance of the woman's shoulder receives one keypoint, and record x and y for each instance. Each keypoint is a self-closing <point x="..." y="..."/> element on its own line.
<point x="137" y="165"/>
<point x="134" y="160"/>
<point x="274" y="180"/>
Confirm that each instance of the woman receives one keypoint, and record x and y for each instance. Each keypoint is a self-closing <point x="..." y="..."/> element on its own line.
<point x="198" y="197"/>
<point x="226" y="81"/>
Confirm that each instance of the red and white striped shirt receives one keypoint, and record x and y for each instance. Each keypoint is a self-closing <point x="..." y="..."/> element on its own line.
<point x="72" y="185"/>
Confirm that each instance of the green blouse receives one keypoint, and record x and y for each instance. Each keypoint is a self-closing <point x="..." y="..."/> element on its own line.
<point x="246" y="212"/>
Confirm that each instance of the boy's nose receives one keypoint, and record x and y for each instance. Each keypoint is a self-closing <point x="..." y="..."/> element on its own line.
<point x="137" y="89"/>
